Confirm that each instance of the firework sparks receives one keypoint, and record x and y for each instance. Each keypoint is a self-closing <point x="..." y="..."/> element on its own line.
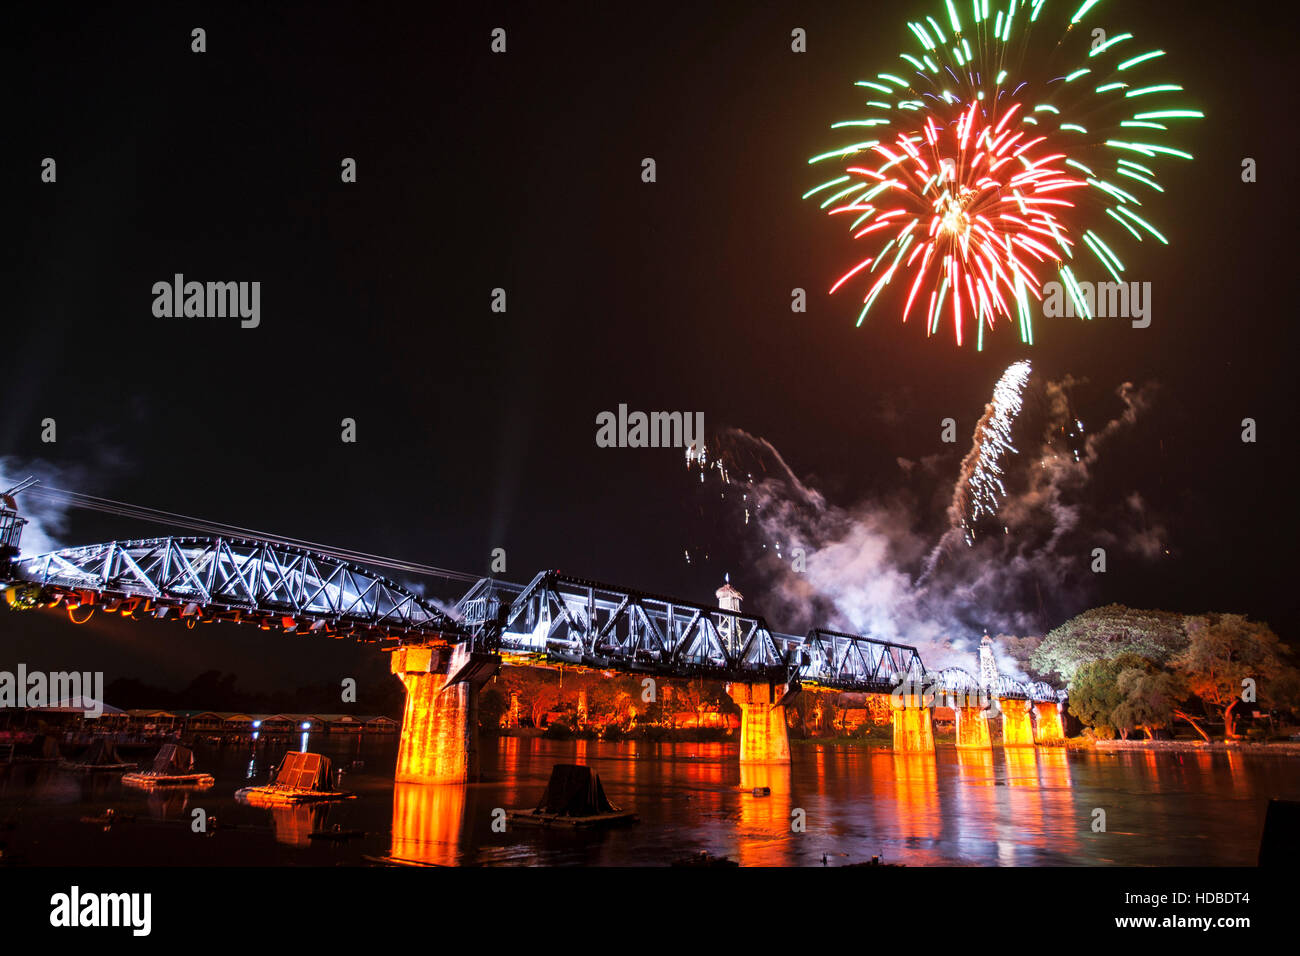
<point x="980" y="180"/>
<point x="980" y="491"/>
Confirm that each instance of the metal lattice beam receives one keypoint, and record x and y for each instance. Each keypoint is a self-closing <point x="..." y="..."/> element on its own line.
<point x="254" y="580"/>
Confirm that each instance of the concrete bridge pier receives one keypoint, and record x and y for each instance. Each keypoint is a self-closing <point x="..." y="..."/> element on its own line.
<point x="1048" y="726"/>
<point x="763" y="734"/>
<point x="973" y="728"/>
<point x="1017" y="728"/>
<point x="913" y="723"/>
<point x="439" y="740"/>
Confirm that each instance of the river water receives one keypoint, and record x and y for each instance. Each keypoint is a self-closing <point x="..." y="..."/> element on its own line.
<point x="1012" y="807"/>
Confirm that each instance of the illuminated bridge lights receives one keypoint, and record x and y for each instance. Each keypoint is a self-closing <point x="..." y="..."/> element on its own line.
<point x="555" y="619"/>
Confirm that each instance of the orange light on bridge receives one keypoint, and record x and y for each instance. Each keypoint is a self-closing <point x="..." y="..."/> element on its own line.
<point x="1017" y="728"/>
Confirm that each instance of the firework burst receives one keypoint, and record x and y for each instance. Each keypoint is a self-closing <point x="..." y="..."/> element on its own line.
<point x="995" y="160"/>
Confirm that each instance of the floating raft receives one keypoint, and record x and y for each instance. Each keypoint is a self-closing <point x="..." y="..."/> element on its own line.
<point x="574" y="798"/>
<point x="101" y="756"/>
<point x="301" y="778"/>
<point x="172" y="768"/>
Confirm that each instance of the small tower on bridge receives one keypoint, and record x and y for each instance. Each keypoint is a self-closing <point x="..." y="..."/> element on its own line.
<point x="728" y="600"/>
<point x="728" y="597"/>
<point x="988" y="663"/>
<point x="11" y="524"/>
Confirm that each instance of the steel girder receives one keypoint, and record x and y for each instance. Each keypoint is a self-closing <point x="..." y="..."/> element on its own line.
<point x="585" y="622"/>
<point x="854" y="662"/>
<point x="255" y="579"/>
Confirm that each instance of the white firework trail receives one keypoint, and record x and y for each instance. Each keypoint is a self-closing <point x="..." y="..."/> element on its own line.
<point x="979" y="491"/>
<point x="983" y="490"/>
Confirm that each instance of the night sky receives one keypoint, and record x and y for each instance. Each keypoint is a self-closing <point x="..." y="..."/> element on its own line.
<point x="522" y="171"/>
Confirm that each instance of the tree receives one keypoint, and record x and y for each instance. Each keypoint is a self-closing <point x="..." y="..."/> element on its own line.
<point x="543" y="696"/>
<point x="1150" y="698"/>
<point x="1094" y="693"/>
<point x="1224" y="652"/>
<point x="1128" y="693"/>
<point x="493" y="702"/>
<point x="1105" y="633"/>
<point x="602" y="700"/>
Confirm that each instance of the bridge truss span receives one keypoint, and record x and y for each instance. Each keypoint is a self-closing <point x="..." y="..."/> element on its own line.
<point x="578" y="621"/>
<point x="246" y="580"/>
<point x="556" y="617"/>
<point x="854" y="662"/>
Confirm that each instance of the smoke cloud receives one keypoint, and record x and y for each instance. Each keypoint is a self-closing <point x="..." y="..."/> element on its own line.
<point x="874" y="568"/>
<point x="47" y="521"/>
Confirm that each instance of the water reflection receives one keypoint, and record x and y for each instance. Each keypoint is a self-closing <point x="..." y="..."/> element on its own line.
<point x="294" y="825"/>
<point x="1013" y="806"/>
<point x="916" y="796"/>
<point x="427" y="823"/>
<point x="765" y="818"/>
<point x="168" y="804"/>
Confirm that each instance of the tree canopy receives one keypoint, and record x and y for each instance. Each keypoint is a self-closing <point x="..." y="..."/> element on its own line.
<point x="1230" y="660"/>
<point x="1105" y="633"/>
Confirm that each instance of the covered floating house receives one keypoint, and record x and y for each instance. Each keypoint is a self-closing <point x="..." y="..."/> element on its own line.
<point x="574" y="797"/>
<point x="172" y="768"/>
<point x="301" y="778"/>
<point x="100" y="756"/>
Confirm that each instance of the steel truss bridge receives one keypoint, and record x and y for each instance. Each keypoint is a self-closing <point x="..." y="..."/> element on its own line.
<point x="276" y="586"/>
<point x="555" y="618"/>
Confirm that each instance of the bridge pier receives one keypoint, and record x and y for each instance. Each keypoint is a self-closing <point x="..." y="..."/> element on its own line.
<point x="913" y="723"/>
<point x="1048" y="726"/>
<point x="1017" y="728"/>
<point x="763" y="734"/>
<point x="973" y="728"/>
<point x="439" y="740"/>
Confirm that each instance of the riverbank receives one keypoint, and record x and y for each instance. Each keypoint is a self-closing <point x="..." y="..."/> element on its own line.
<point x="1279" y="748"/>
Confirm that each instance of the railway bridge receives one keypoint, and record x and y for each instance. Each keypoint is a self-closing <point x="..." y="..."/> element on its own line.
<point x="444" y="655"/>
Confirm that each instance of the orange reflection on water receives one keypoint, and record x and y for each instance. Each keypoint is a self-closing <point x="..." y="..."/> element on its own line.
<point x="976" y="766"/>
<point x="1059" y="827"/>
<point x="916" y="795"/>
<point x="764" y="820"/>
<point x="427" y="822"/>
<point x="1054" y="767"/>
<point x="1237" y="772"/>
<point x="1022" y="766"/>
<point x="971" y="822"/>
<point x="1023" y="823"/>
<point x="293" y="825"/>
